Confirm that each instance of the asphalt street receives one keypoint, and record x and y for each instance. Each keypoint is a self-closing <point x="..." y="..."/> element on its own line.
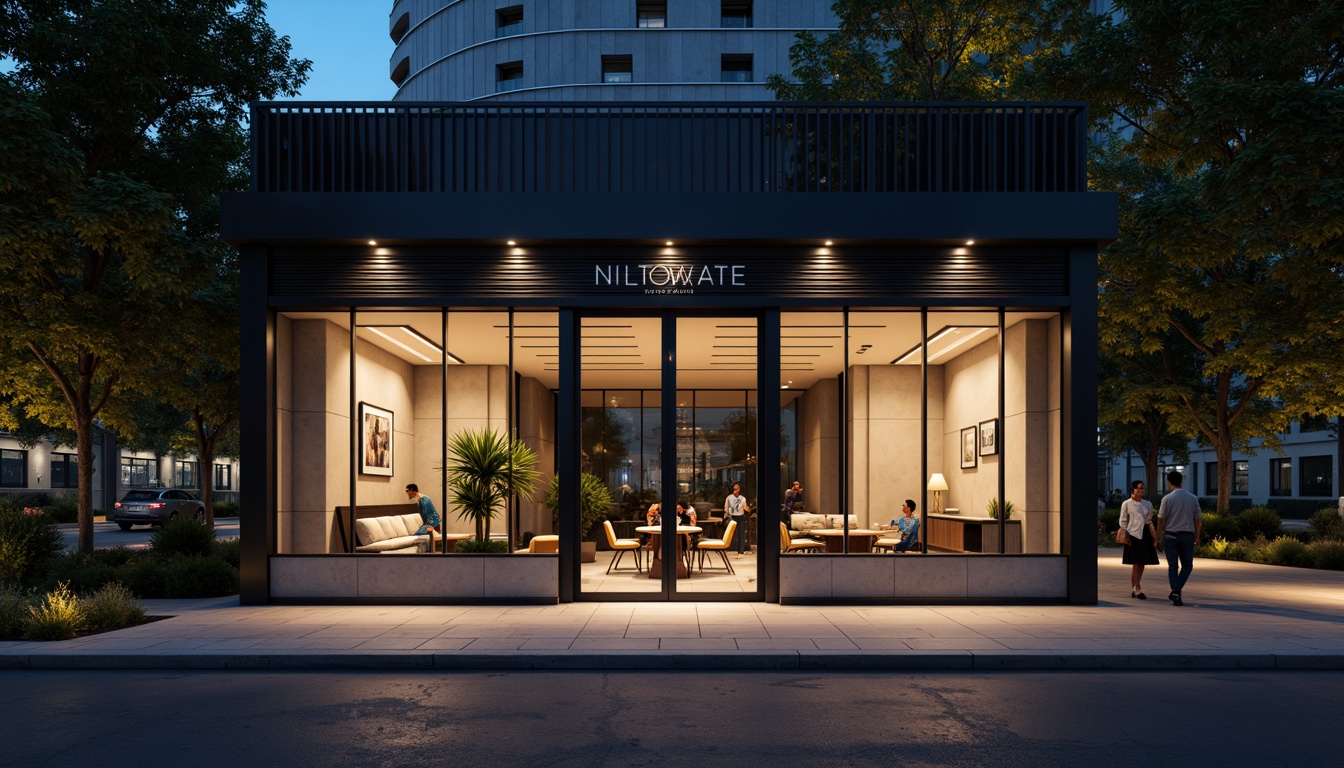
<point x="295" y="719"/>
<point x="106" y="535"/>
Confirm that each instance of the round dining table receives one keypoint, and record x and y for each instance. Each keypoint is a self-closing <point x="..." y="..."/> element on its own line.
<point x="860" y="539"/>
<point x="656" y="531"/>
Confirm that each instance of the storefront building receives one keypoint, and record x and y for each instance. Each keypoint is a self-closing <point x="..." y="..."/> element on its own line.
<point x="882" y="302"/>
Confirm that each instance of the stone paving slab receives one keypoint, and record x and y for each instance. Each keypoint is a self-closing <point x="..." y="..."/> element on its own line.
<point x="1238" y="616"/>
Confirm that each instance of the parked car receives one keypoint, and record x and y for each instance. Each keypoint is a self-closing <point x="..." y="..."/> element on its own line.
<point x="155" y="506"/>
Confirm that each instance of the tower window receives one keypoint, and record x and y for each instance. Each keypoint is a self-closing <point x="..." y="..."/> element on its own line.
<point x="617" y="69"/>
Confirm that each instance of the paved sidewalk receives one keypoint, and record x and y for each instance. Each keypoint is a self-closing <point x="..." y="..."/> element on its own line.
<point x="1236" y="616"/>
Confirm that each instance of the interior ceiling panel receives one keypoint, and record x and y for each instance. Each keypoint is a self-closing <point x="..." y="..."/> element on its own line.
<point x="712" y="352"/>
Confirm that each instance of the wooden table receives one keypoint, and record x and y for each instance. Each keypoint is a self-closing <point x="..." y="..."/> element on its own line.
<point x="860" y="539"/>
<point x="656" y="531"/>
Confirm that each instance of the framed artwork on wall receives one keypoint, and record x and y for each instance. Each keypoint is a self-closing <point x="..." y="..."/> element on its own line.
<point x="968" y="447"/>
<point x="375" y="440"/>
<point x="989" y="437"/>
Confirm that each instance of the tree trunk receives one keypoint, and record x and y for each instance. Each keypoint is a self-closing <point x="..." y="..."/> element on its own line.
<point x="84" y="493"/>
<point x="205" y="459"/>
<point x="1222" y="448"/>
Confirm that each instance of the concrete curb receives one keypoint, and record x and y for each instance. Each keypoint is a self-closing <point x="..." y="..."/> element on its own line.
<point x="747" y="661"/>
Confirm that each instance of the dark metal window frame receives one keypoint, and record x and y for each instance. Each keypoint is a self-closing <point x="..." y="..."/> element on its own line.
<point x="1277" y="469"/>
<point x="226" y="483"/>
<point x="1312" y="488"/>
<point x="150" y="468"/>
<point x="69" y="464"/>
<point x="9" y="458"/>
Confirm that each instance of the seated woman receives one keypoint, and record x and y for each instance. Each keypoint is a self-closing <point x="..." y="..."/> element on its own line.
<point x="652" y="517"/>
<point x="909" y="525"/>
<point x="686" y="516"/>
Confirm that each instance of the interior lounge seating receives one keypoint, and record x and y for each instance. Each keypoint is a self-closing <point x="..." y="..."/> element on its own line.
<point x="547" y="543"/>
<point x="621" y="546"/>
<point x="788" y="544"/>
<point x="718" y="545"/>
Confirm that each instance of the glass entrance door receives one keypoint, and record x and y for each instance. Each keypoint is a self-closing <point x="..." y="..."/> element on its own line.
<point x="667" y="429"/>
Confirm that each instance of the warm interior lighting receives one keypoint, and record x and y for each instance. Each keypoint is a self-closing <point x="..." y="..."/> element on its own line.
<point x="937" y="484"/>
<point x="412" y="341"/>
<point x="829" y="243"/>
<point x="943" y="342"/>
<point x="513" y="242"/>
<point x="970" y="242"/>
<point x="668" y="243"/>
<point x="373" y="242"/>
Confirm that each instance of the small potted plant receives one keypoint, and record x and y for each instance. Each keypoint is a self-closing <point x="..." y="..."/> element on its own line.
<point x="594" y="505"/>
<point x="993" y="509"/>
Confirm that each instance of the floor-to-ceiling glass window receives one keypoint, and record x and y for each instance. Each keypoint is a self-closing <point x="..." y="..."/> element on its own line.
<point x="621" y="434"/>
<point x="716" y="449"/>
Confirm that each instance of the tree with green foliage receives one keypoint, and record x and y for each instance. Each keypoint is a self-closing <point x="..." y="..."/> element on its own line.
<point x="1228" y="123"/>
<point x="926" y="50"/>
<point x="121" y="124"/>
<point x="1133" y="412"/>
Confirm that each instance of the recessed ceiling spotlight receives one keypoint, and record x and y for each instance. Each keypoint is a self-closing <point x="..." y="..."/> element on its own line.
<point x="513" y="242"/>
<point x="829" y="243"/>
<point x="970" y="242"/>
<point x="373" y="242"/>
<point x="668" y="243"/>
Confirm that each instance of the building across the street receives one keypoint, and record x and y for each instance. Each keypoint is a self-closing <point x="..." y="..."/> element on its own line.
<point x="50" y="469"/>
<point x="1298" y="479"/>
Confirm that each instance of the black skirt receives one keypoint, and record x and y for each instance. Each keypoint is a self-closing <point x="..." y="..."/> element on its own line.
<point x="1140" y="551"/>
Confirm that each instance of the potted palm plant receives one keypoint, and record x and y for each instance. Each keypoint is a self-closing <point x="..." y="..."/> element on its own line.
<point x="594" y="504"/>
<point x="484" y="470"/>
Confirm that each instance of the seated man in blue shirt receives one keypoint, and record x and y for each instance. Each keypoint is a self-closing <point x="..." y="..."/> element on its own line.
<point x="429" y="516"/>
<point x="909" y="525"/>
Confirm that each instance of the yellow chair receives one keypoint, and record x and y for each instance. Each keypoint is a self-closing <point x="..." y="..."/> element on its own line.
<point x="787" y="544"/>
<point x="547" y="543"/>
<point x="719" y="545"/>
<point x="622" y="546"/>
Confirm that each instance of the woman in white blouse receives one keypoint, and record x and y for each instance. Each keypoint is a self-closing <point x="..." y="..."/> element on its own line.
<point x="1136" y="519"/>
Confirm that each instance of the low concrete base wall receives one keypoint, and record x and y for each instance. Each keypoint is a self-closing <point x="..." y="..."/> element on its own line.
<point x="385" y="578"/>
<point x="980" y="578"/>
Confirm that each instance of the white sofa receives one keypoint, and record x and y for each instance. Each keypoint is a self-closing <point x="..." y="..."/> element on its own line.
<point x="802" y="522"/>
<point x="390" y="534"/>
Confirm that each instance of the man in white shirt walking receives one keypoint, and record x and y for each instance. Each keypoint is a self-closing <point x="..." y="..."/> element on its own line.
<point x="1178" y="526"/>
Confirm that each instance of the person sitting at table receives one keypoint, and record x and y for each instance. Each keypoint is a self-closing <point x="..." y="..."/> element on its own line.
<point x="686" y="516"/>
<point x="652" y="517"/>
<point x="909" y="527"/>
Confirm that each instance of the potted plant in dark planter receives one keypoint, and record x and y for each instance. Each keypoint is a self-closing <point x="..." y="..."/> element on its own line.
<point x="594" y="505"/>
<point x="484" y="469"/>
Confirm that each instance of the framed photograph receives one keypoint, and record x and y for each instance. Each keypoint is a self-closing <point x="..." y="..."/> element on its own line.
<point x="989" y="437"/>
<point x="375" y="440"/>
<point x="969" y="443"/>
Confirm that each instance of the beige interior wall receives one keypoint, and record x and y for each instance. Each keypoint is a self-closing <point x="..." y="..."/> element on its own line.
<point x="536" y="428"/>
<point x="318" y="455"/>
<point x="819" y="447"/>
<point x="970" y="396"/>
<point x="884" y="438"/>
<point x="478" y="398"/>
<point x="1028" y="434"/>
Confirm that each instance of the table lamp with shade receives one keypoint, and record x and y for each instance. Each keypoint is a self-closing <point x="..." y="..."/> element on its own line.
<point x="937" y="484"/>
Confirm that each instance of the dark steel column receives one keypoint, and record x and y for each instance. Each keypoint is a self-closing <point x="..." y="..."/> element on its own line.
<point x="1078" y="405"/>
<point x="568" y="449"/>
<point x="768" y="480"/>
<point x="1003" y="421"/>
<point x="668" y="448"/>
<point x="257" y="501"/>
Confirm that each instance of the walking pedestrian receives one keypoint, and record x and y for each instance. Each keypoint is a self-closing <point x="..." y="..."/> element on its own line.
<point x="1136" y="520"/>
<point x="735" y="510"/>
<point x="1179" y="521"/>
